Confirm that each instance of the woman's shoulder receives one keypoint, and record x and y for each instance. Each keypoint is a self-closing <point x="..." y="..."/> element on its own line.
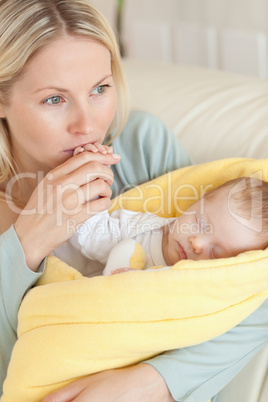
<point x="140" y="119"/>
<point x="142" y="130"/>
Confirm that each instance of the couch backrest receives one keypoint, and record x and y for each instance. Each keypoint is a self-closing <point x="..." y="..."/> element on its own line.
<point x="215" y="114"/>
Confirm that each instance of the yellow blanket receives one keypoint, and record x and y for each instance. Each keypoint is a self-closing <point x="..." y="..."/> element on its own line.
<point x="70" y="326"/>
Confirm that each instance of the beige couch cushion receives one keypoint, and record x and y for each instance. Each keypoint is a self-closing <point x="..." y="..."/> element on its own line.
<point x="214" y="114"/>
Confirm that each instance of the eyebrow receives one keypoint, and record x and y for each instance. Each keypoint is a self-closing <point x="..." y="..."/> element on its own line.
<point x="66" y="90"/>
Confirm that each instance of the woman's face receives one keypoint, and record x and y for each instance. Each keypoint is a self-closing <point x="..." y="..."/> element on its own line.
<point x="65" y="97"/>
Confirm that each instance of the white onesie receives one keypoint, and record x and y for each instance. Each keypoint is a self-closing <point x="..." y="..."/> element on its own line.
<point x="97" y="237"/>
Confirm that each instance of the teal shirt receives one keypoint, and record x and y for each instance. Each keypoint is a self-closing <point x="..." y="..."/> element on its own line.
<point x="197" y="373"/>
<point x="148" y="149"/>
<point x="15" y="279"/>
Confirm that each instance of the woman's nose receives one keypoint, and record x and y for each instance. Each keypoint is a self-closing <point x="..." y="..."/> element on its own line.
<point x="81" y="120"/>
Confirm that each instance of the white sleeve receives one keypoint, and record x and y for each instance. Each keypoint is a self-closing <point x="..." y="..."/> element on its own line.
<point x="100" y="233"/>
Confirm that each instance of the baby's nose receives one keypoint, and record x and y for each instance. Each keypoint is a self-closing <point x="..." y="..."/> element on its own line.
<point x="199" y="244"/>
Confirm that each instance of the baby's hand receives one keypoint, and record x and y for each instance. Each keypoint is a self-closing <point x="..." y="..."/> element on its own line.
<point x="122" y="270"/>
<point x="95" y="147"/>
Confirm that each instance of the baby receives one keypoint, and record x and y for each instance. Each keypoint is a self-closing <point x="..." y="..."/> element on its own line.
<point x="223" y="223"/>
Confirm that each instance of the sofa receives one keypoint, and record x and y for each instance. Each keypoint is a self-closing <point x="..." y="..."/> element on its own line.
<point x="215" y="115"/>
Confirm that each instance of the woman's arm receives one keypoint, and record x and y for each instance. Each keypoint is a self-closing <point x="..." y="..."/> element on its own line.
<point x="137" y="383"/>
<point x="199" y="372"/>
<point x="15" y="279"/>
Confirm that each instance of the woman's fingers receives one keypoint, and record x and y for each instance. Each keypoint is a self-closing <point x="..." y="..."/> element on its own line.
<point x="58" y="188"/>
<point x="96" y="147"/>
<point x="78" y="150"/>
<point x="68" y="393"/>
<point x="109" y="149"/>
<point x="91" y="194"/>
<point x="90" y="172"/>
<point x="83" y="158"/>
<point x="97" y="188"/>
<point x="136" y="383"/>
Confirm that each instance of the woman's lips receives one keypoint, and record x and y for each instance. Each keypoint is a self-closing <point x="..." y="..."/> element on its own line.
<point x="69" y="152"/>
<point x="182" y="252"/>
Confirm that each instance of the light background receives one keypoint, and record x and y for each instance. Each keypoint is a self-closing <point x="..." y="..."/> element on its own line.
<point x="231" y="35"/>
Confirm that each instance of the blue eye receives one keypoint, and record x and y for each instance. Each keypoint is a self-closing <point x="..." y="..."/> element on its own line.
<point x="100" y="90"/>
<point x="54" y="100"/>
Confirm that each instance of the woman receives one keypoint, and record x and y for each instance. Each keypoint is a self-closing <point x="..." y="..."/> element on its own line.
<point x="61" y="86"/>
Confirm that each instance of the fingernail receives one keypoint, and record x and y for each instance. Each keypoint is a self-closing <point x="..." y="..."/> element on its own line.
<point x="78" y="151"/>
<point x="116" y="156"/>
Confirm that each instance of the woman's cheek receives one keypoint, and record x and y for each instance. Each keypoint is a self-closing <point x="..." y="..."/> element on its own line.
<point x="111" y="106"/>
<point x="106" y="115"/>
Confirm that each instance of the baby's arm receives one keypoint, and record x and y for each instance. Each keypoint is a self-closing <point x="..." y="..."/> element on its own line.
<point x="122" y="270"/>
<point x="126" y="256"/>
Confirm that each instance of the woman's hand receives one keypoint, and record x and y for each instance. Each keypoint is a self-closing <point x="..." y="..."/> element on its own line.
<point x="140" y="383"/>
<point x="63" y="200"/>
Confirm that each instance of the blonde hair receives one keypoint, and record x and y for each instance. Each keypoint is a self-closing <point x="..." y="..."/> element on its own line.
<point x="27" y="26"/>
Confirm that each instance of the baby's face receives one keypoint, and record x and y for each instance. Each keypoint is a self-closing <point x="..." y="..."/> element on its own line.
<point x="211" y="228"/>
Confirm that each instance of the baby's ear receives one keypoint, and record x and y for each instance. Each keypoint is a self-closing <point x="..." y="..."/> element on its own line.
<point x="126" y="254"/>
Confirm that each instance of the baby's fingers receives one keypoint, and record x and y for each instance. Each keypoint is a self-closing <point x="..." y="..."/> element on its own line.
<point x="122" y="270"/>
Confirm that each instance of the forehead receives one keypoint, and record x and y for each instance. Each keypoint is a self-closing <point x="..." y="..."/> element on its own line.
<point x="211" y="200"/>
<point x="230" y="222"/>
<point x="70" y="44"/>
<point x="67" y="58"/>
